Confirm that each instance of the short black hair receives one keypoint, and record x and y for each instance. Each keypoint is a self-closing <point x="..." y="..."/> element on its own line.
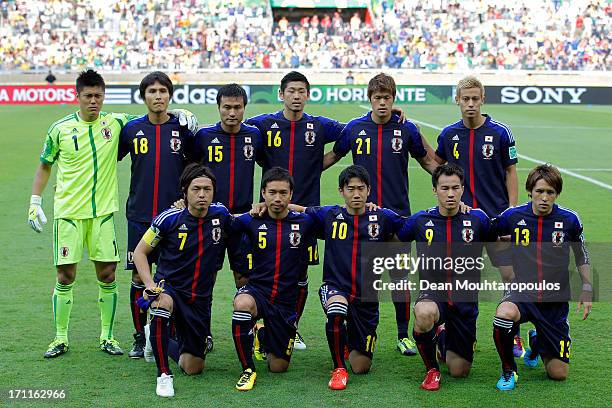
<point x="193" y="171"/>
<point x="89" y="78"/>
<point x="294" y="76"/>
<point x="154" y="77"/>
<point x="448" y="169"/>
<point x="232" y="90"/>
<point x="353" y="171"/>
<point x="276" y="174"/>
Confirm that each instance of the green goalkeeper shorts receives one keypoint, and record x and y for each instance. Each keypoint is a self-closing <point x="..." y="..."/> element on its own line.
<point x="71" y="236"/>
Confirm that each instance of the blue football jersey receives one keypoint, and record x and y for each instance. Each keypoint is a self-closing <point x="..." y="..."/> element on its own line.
<point x="384" y="151"/>
<point x="541" y="245"/>
<point x="158" y="159"/>
<point x="298" y="147"/>
<point x="483" y="154"/>
<point x="232" y="159"/>
<point x="279" y="253"/>
<point x="189" y="249"/>
<point x="344" y="233"/>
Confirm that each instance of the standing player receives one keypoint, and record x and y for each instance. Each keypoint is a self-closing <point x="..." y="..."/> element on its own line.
<point x="554" y="230"/>
<point x="351" y="319"/>
<point x="84" y="145"/>
<point x="485" y="150"/>
<point x="230" y="149"/>
<point x="295" y="140"/>
<point x="156" y="145"/>
<point x="382" y="145"/>
<point x="279" y="243"/>
<point x="186" y="239"/>
<point x="446" y="233"/>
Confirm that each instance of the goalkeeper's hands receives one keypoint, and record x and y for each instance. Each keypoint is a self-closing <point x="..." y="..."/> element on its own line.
<point x="186" y="118"/>
<point x="36" y="215"/>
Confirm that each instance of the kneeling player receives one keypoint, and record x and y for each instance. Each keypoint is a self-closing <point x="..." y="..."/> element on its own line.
<point x="352" y="319"/>
<point x="554" y="229"/>
<point x="444" y="231"/>
<point x="280" y="239"/>
<point x="186" y="238"/>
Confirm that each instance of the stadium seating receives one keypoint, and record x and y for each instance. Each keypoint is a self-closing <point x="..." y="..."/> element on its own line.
<point x="184" y="35"/>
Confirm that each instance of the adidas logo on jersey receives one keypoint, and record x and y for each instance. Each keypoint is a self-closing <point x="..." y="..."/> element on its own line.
<point x="215" y="140"/>
<point x="362" y="133"/>
<point x="140" y="133"/>
<point x="274" y="126"/>
<point x="183" y="228"/>
<point x="521" y="222"/>
<point x="339" y="217"/>
<point x="429" y="223"/>
<point x="455" y="137"/>
<point x="263" y="227"/>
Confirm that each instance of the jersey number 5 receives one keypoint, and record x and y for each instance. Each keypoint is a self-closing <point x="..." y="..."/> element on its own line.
<point x="262" y="239"/>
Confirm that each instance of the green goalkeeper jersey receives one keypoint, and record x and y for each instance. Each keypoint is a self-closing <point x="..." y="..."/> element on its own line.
<point x="86" y="157"/>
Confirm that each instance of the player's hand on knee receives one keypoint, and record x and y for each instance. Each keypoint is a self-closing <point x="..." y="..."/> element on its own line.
<point x="36" y="215"/>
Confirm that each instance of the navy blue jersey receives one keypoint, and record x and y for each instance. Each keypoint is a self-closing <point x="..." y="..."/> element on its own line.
<point x="279" y="253"/>
<point x="232" y="159"/>
<point x="383" y="150"/>
<point x="189" y="248"/>
<point x="344" y="234"/>
<point x="483" y="154"/>
<point x="442" y="237"/>
<point x="541" y="245"/>
<point x="298" y="147"/>
<point x="157" y="153"/>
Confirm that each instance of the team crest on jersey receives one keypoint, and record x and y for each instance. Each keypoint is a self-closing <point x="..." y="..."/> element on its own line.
<point x="295" y="238"/>
<point x="216" y="234"/>
<point x="310" y="136"/>
<point x="64" y="252"/>
<point x="106" y="133"/>
<point x="248" y="151"/>
<point x="557" y="238"/>
<point x="487" y="150"/>
<point x="467" y="234"/>
<point x="373" y="230"/>
<point x="396" y="144"/>
<point x="175" y="144"/>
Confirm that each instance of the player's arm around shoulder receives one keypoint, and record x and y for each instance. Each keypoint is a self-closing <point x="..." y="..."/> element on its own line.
<point x="419" y="148"/>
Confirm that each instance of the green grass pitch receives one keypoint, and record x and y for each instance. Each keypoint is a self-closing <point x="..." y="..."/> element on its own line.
<point x="577" y="138"/>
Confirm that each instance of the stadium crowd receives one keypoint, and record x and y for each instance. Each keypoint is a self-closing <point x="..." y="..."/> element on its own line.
<point x="183" y="35"/>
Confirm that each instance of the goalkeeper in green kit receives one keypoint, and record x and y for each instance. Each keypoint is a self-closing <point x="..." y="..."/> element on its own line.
<point x="84" y="146"/>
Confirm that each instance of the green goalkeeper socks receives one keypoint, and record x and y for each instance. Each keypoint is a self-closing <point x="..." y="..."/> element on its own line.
<point x="107" y="300"/>
<point x="62" y="306"/>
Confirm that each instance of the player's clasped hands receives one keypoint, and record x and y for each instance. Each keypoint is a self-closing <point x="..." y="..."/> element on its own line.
<point x="36" y="215"/>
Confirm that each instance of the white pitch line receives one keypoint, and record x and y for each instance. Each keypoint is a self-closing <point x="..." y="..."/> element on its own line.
<point x="538" y="161"/>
